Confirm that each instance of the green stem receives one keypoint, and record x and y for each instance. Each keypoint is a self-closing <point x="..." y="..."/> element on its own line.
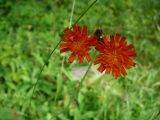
<point x="84" y="12"/>
<point x="81" y="82"/>
<point x="34" y="87"/>
<point x="44" y="67"/>
<point x="89" y="67"/>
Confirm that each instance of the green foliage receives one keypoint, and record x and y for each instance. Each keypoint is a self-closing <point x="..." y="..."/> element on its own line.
<point x="30" y="29"/>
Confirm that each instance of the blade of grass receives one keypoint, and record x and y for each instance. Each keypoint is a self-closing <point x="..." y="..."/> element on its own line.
<point x="70" y="22"/>
<point x="156" y="117"/>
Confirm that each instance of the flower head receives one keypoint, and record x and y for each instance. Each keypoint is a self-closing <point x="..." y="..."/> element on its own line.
<point x="115" y="55"/>
<point x="78" y="42"/>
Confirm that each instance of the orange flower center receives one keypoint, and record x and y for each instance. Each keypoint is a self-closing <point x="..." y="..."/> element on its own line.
<point x="78" y="45"/>
<point x="114" y="57"/>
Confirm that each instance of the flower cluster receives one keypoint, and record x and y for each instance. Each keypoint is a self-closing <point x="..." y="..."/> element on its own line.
<point x="114" y="54"/>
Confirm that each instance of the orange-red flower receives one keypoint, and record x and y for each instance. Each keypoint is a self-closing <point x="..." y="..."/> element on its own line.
<point x="115" y="55"/>
<point x="78" y="42"/>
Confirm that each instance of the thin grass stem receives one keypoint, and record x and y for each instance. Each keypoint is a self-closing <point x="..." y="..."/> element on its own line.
<point x="34" y="87"/>
<point x="89" y="67"/>
<point x="71" y="17"/>
<point x="85" y="11"/>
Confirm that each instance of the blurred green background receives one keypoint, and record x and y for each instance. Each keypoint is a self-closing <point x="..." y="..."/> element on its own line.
<point x="30" y="29"/>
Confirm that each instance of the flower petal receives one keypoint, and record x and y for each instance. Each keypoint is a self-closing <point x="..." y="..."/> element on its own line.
<point x="117" y="37"/>
<point x="76" y="29"/>
<point x="81" y="58"/>
<point x="88" y="57"/>
<point x="122" y="41"/>
<point x="130" y="46"/>
<point x="64" y="50"/>
<point x="108" y="70"/>
<point x="64" y="45"/>
<point x="123" y="71"/>
<point x="101" y="68"/>
<point x="71" y="58"/>
<point x="67" y="31"/>
<point x="105" y="39"/>
<point x="84" y="30"/>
